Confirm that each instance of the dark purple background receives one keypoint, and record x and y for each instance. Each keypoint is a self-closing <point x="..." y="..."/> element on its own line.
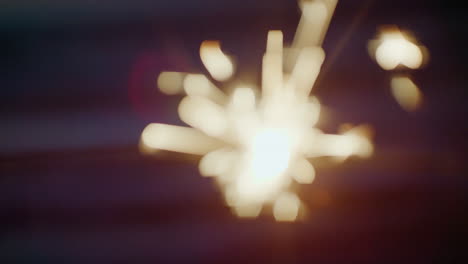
<point x="78" y="86"/>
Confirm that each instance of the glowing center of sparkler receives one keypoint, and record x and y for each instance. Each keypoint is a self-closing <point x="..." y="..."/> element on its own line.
<point x="270" y="154"/>
<point x="266" y="160"/>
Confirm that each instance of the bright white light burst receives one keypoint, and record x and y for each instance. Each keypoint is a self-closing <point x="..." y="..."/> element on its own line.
<point x="256" y="147"/>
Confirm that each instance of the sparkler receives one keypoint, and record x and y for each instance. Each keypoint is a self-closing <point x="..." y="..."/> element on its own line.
<point x="256" y="147"/>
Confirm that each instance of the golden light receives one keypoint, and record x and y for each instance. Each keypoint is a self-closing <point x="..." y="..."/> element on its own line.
<point x="255" y="147"/>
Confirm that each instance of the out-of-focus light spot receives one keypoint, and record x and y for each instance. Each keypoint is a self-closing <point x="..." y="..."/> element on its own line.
<point x="406" y="93"/>
<point x="286" y="207"/>
<point x="216" y="62"/>
<point x="171" y="83"/>
<point x="393" y="48"/>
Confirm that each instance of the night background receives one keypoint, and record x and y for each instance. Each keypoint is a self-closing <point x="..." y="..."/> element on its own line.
<point x="78" y="86"/>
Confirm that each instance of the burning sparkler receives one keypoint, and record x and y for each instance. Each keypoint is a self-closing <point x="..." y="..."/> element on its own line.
<point x="255" y="147"/>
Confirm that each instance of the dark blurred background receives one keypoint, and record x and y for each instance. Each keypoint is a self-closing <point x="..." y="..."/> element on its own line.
<point x="78" y="85"/>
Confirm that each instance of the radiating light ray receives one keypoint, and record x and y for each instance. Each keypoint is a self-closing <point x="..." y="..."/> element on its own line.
<point x="216" y="62"/>
<point x="356" y="141"/>
<point x="306" y="70"/>
<point x="199" y="85"/>
<point x="204" y="115"/>
<point x="218" y="162"/>
<point x="171" y="83"/>
<point x="272" y="73"/>
<point x="260" y="144"/>
<point x="168" y="137"/>
<point x="313" y="19"/>
<point x="406" y="93"/>
<point x="314" y="22"/>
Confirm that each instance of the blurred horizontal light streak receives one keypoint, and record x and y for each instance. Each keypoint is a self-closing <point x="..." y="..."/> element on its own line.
<point x="179" y="139"/>
<point x="216" y="62"/>
<point x="406" y="93"/>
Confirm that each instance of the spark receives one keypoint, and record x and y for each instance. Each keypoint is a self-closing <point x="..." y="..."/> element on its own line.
<point x="255" y="148"/>
<point x="394" y="49"/>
